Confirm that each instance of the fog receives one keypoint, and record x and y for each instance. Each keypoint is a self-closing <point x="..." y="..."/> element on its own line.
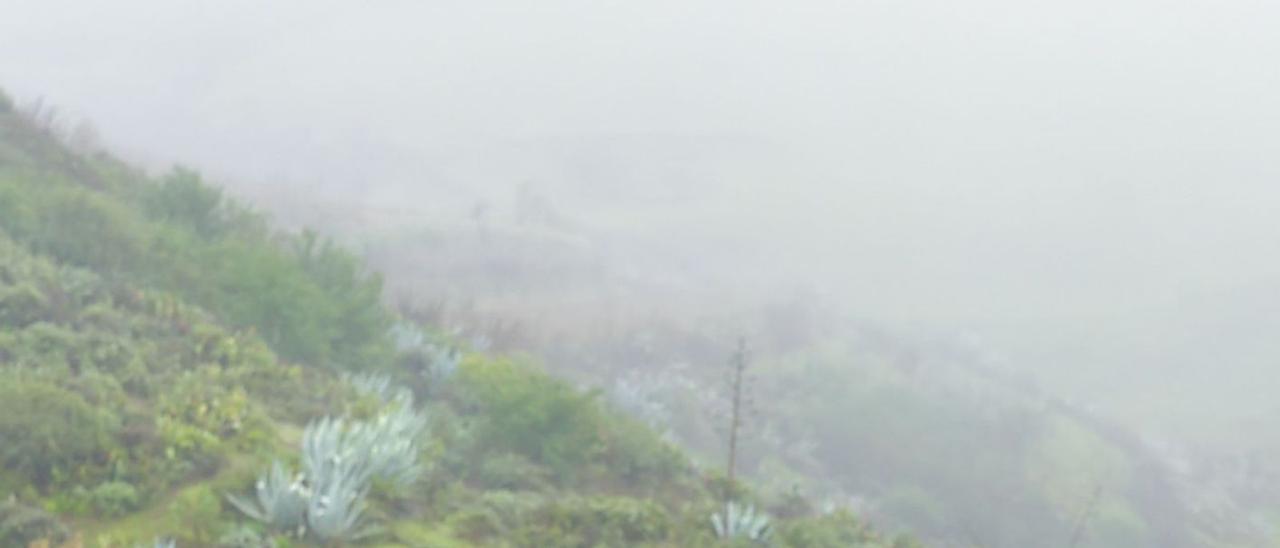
<point x="1086" y="189"/>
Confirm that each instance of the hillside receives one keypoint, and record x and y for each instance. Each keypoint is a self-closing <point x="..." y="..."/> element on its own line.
<point x="930" y="432"/>
<point x="172" y="367"/>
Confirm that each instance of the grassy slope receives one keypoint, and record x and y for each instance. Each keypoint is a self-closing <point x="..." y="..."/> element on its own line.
<point x="186" y="343"/>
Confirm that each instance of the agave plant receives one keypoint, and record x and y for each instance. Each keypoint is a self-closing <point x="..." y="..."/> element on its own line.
<point x="439" y="360"/>
<point x="406" y="336"/>
<point x="389" y="445"/>
<point x="337" y="504"/>
<point x="442" y="362"/>
<point x="340" y="460"/>
<point x="741" y="522"/>
<point x="282" y="499"/>
<point x="327" y="451"/>
<point x="385" y="449"/>
<point x="379" y="386"/>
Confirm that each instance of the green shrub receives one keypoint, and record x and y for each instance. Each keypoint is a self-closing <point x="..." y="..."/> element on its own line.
<point x="88" y="230"/>
<point x="529" y="413"/>
<point x="309" y="299"/>
<point x="640" y="460"/>
<point x="596" y="521"/>
<point x="50" y="434"/>
<point x="21" y="525"/>
<point x="511" y="472"/>
<point x="183" y="199"/>
<point x="199" y="510"/>
<point x="205" y="414"/>
<point x="532" y="520"/>
<point x="417" y="534"/>
<point x="839" y="528"/>
<point x="113" y="499"/>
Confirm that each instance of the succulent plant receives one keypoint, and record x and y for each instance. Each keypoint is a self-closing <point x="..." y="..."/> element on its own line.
<point x="442" y="362"/>
<point x="281" y="499"/>
<point x="741" y="522"/>
<point x="379" y="386"/>
<point x="340" y="459"/>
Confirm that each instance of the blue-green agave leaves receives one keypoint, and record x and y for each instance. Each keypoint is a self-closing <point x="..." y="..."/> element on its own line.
<point x="741" y="522"/>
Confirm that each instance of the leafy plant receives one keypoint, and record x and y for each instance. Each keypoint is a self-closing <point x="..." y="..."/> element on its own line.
<point x="340" y="459"/>
<point x="532" y="414"/>
<point x="741" y="522"/>
<point x="435" y="362"/>
<point x="114" y="498"/>
<point x="44" y="450"/>
<point x="337" y="501"/>
<point x="21" y="525"/>
<point x="199" y="509"/>
<point x="281" y="500"/>
<point x="378" y="386"/>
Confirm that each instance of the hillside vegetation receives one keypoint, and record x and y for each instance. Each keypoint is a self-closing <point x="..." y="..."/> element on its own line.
<point x="173" y="368"/>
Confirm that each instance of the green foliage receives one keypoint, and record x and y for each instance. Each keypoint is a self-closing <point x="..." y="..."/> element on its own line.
<point x="534" y="415"/>
<point x="735" y="521"/>
<point x="434" y="363"/>
<point x="21" y="525"/>
<point x="80" y="347"/>
<point x="361" y="323"/>
<point x="140" y="324"/>
<point x="597" y="521"/>
<point x="281" y="500"/>
<point x="410" y="533"/>
<point x="839" y="528"/>
<point x="84" y="229"/>
<point x="335" y="509"/>
<point x="308" y="298"/>
<point x="114" y="499"/>
<point x="203" y="416"/>
<point x="51" y="435"/>
<point x="199" y="510"/>
<point x="511" y="472"/>
<point x="532" y="520"/>
<point x="637" y="458"/>
<point x="340" y="460"/>
<point x="181" y="198"/>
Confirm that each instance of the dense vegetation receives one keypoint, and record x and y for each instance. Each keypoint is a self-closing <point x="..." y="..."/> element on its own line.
<point x="172" y="367"/>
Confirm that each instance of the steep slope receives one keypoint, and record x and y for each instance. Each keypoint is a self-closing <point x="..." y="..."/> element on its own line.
<point x="170" y="365"/>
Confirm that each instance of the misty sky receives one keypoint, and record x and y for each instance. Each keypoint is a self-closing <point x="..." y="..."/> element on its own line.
<point x="1088" y="180"/>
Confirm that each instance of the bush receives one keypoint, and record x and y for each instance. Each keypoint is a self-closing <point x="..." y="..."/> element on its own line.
<point x="640" y="460"/>
<point x="50" y="433"/>
<point x="839" y="528"/>
<point x="204" y="415"/>
<point x="528" y="519"/>
<point x="529" y="413"/>
<point x="511" y="472"/>
<point x="89" y="230"/>
<point x="183" y="199"/>
<point x="596" y="521"/>
<point x="199" y="511"/>
<point x="113" y="499"/>
<point x="21" y="525"/>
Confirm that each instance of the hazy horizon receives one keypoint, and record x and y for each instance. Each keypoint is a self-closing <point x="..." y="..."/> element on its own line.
<point x="1086" y="185"/>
